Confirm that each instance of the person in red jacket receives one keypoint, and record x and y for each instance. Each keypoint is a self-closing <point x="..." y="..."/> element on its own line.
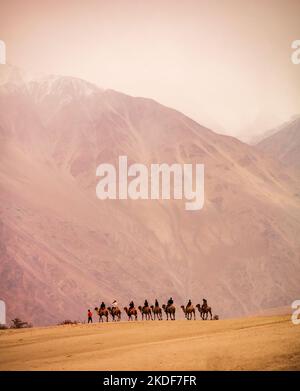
<point x="90" y="316"/>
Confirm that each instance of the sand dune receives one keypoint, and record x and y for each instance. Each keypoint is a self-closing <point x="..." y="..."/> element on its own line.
<point x="257" y="343"/>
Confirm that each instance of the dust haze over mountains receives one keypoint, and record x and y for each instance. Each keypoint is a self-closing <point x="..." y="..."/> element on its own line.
<point x="226" y="64"/>
<point x="63" y="250"/>
<point x="284" y="144"/>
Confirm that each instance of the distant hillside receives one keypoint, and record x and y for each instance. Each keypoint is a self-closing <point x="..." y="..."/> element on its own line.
<point x="284" y="145"/>
<point x="63" y="250"/>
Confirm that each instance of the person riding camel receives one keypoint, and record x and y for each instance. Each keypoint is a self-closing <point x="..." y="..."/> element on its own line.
<point x="102" y="306"/>
<point x="156" y="303"/>
<point x="170" y="302"/>
<point x="131" y="304"/>
<point x="114" y="304"/>
<point x="146" y="303"/>
<point x="204" y="305"/>
<point x="189" y="303"/>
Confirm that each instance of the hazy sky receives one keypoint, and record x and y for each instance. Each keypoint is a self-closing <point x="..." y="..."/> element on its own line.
<point x="225" y="63"/>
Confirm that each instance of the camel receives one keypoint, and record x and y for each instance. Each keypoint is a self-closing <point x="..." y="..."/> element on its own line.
<point x="189" y="311"/>
<point x="156" y="312"/>
<point x="102" y="312"/>
<point x="204" y="311"/>
<point x="169" y="310"/>
<point x="115" y="313"/>
<point x="145" y="311"/>
<point x="131" y="312"/>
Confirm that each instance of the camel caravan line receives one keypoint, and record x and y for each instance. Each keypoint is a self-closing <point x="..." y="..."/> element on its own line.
<point x="152" y="312"/>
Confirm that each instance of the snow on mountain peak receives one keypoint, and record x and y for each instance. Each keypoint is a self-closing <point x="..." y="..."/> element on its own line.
<point x="67" y="88"/>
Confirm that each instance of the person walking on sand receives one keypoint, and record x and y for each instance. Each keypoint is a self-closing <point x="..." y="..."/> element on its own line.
<point x="90" y="316"/>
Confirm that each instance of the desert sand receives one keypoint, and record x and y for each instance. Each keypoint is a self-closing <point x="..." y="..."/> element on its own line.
<point x="256" y="343"/>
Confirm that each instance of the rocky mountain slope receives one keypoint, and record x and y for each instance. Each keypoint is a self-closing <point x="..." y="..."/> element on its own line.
<point x="63" y="250"/>
<point x="284" y="145"/>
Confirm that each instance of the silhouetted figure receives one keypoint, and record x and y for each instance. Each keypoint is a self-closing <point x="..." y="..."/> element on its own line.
<point x="131" y="304"/>
<point x="146" y="303"/>
<point x="170" y="301"/>
<point x="90" y="316"/>
<point x="189" y="303"/>
<point x="102" y="306"/>
<point x="156" y="303"/>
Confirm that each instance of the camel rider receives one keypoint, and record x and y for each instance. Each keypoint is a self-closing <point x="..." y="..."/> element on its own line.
<point x="102" y="306"/>
<point x="189" y="303"/>
<point x="204" y="305"/>
<point x="146" y="303"/>
<point x="131" y="304"/>
<point x="156" y="303"/>
<point x="170" y="302"/>
<point x="114" y="304"/>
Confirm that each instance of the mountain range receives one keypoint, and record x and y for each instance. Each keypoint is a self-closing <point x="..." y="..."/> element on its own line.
<point x="62" y="249"/>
